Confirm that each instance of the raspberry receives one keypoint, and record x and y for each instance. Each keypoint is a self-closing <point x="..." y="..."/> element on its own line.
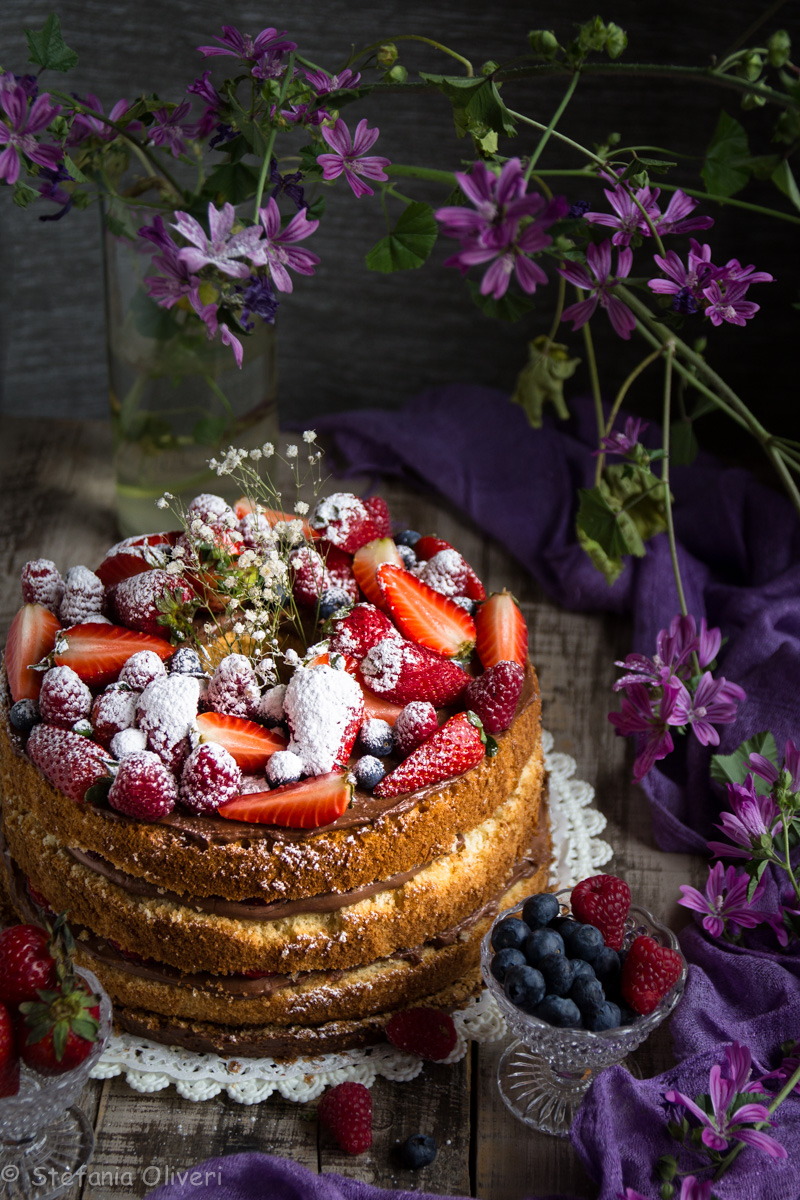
<point x="648" y="973"/>
<point x="138" y="601"/>
<point x="128" y="741"/>
<point x="64" y="698"/>
<point x="166" y="712"/>
<point x="234" y="687"/>
<point x="255" y="530"/>
<point x="603" y="901"/>
<point x="42" y="583"/>
<point x="345" y="521"/>
<point x="210" y="776"/>
<point x="447" y="572"/>
<point x="427" y="1032"/>
<point x="113" y="710"/>
<point x="212" y="510"/>
<point x="339" y="570"/>
<point x="83" y="596"/>
<point x="346" y="1110"/>
<point x="362" y="628"/>
<point x="493" y="696"/>
<point x="142" y="668"/>
<point x="72" y="763"/>
<point x="143" y="787"/>
<point x="308" y="576"/>
<point x="415" y="724"/>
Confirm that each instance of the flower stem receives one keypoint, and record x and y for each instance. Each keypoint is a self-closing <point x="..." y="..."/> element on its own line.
<point x="593" y="374"/>
<point x="562" y="293"/>
<point x="620" y="396"/>
<point x="715" y="199"/>
<point x="776" y="1103"/>
<point x="665" y="421"/>
<point x="429" y="173"/>
<point x="559" y="136"/>
<point x="415" y="37"/>
<point x="556" y="117"/>
<point x="262" y="179"/>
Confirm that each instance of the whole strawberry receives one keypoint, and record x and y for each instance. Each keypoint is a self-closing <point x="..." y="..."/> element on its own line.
<point x="346" y="1110"/>
<point x="648" y="973"/>
<point x="362" y="628"/>
<point x="401" y="671"/>
<point x="141" y="600"/>
<point x="26" y="964"/>
<point x="603" y="901"/>
<point x="60" y="1029"/>
<point x="427" y="1032"/>
<point x="453" y="749"/>
<point x="70" y="761"/>
<point x="494" y="695"/>
<point x="9" y="1058"/>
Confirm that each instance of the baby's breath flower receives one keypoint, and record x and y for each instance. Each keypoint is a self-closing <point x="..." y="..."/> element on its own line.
<point x="174" y="568"/>
<point x="210" y="628"/>
<point x="309" y="435"/>
<point x="301" y="508"/>
<point x="229" y="583"/>
<point x="258" y="635"/>
<point x="162" y="502"/>
<point x="255" y="455"/>
<point x="291" y="451"/>
<point x="250" y="616"/>
<point x="238" y="628"/>
<point x="268" y="449"/>
<point x="233" y="602"/>
<point x="178" y="551"/>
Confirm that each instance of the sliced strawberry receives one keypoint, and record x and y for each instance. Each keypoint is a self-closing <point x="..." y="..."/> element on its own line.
<point x="249" y="743"/>
<point x="243" y="506"/>
<point x="306" y="805"/>
<point x="366" y="562"/>
<point x="32" y="635"/>
<point x="502" y="635"/>
<point x="382" y="710"/>
<point x="324" y="660"/>
<point x="426" y="547"/>
<point x="458" y="745"/>
<point x="134" y="555"/>
<point x="401" y="671"/>
<point x="426" y="616"/>
<point x="97" y="653"/>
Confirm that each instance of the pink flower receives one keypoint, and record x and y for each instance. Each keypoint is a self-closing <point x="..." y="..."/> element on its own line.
<point x="766" y="770"/>
<point x="349" y="156"/>
<point x="167" y="128"/>
<point x="627" y="218"/>
<point x="249" y="49"/>
<point x="752" y="817"/>
<point x="495" y="199"/>
<point x="676" y="219"/>
<point x="650" y="716"/>
<point x="714" y="702"/>
<point x="222" y="250"/>
<point x="600" y="288"/>
<point x="17" y="132"/>
<point x="623" y="443"/>
<point x="277" y="250"/>
<point x="230" y="339"/>
<point x="725" y="901"/>
<point x="728" y="305"/>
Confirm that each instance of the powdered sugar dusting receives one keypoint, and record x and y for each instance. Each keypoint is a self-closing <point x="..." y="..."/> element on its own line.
<point x="383" y="664"/>
<point x="83" y="595"/>
<point x="234" y="688"/>
<point x="166" y="711"/>
<point x="128" y="741"/>
<point x="324" y="709"/>
<point x="445" y="573"/>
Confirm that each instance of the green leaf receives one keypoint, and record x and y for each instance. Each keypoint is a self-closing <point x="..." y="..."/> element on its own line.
<point x="410" y="242"/>
<point x="476" y="102"/>
<point x="655" y="166"/>
<point x="683" y="445"/>
<point x="613" y="531"/>
<point x="75" y="171"/>
<point x="756" y="876"/>
<point x="48" y="49"/>
<point x="784" y="179"/>
<point x="236" y="181"/>
<point x="727" y="163"/>
<point x="24" y="195"/>
<point x="510" y="307"/>
<point x="733" y="768"/>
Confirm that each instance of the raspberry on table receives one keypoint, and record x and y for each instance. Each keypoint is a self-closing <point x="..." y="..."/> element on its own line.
<point x="42" y="583"/>
<point x="346" y="1110"/>
<point x="415" y="724"/>
<point x="603" y="901"/>
<point x="210" y="776"/>
<point x="141" y="668"/>
<point x="234" y="687"/>
<point x="64" y="698"/>
<point x="427" y="1032"/>
<point x="143" y="787"/>
<point x="84" y="596"/>
<point x="494" y="695"/>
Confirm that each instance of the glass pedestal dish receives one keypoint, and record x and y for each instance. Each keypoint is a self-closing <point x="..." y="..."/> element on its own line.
<point x="545" y="1073"/>
<point x="45" y="1139"/>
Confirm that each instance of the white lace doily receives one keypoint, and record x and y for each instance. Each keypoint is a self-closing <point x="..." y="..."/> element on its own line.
<point x="148" y="1067"/>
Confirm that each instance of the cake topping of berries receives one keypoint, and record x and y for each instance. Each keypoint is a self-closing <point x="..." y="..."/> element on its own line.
<point x="250" y="743"/>
<point x="324" y="710"/>
<point x="210" y="776"/>
<point x="424" y="615"/>
<point x="145" y="601"/>
<point x="128" y="741"/>
<point x="459" y="745"/>
<point x="284" y="767"/>
<point x="346" y="1110"/>
<point x="648" y="973"/>
<point x="427" y="1032"/>
<point x="71" y="762"/>
<point x="449" y="572"/>
<point x="143" y="787"/>
<point x="234" y="687"/>
<point x="142" y="668"/>
<point x="32" y="636"/>
<point x="502" y="634"/>
<point x="365" y="566"/>
<point x="414" y="726"/>
<point x="212" y="510"/>
<point x="270" y="707"/>
<point x="308" y="575"/>
<point x="99" y="652"/>
<point x="84" y="594"/>
<point x="113" y="710"/>
<point x="186" y="661"/>
<point x="133" y="555"/>
<point x="166" y="711"/>
<point x="376" y="737"/>
<point x="603" y="901"/>
<point x="24" y="715"/>
<point x="64" y="697"/>
<point x="309" y="804"/>
<point x="401" y="671"/>
<point x="361" y="629"/>
<point x="42" y="584"/>
<point x="494" y="695"/>
<point x="346" y="522"/>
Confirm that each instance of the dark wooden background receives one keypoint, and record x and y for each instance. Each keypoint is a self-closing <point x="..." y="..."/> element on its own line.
<point x="350" y="337"/>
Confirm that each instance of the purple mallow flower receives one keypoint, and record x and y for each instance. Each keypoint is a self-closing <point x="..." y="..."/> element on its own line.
<point x="727" y="304"/>
<point x="627" y="217"/>
<point x="288" y="184"/>
<point x="175" y="280"/>
<point x="724" y="905"/>
<point x="350" y="158"/>
<point x="623" y="443"/>
<point x="766" y="770"/>
<point x="85" y="125"/>
<point x="752" y="817"/>
<point x="323" y="84"/>
<point x="600" y="288"/>
<point x="168" y="130"/>
<point x="699" y="286"/>
<point x="714" y="702"/>
<point x="676" y="218"/>
<point x="277" y="249"/>
<point x="222" y="249"/>
<point x="18" y="129"/>
<point x="649" y="716"/>
<point x="247" y="48"/>
<point x="258" y="300"/>
<point x="496" y="200"/>
<point x="728" y="1122"/>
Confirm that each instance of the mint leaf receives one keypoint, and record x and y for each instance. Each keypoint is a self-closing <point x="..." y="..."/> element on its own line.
<point x="733" y="768"/>
<point x="48" y="49"/>
<point x="409" y="244"/>
<point x="727" y="164"/>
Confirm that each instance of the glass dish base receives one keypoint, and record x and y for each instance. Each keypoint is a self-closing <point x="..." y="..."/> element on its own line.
<point x="50" y="1162"/>
<point x="546" y="1100"/>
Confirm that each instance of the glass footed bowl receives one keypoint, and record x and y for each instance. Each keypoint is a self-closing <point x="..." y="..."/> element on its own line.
<point x="45" y="1139"/>
<point x="545" y="1073"/>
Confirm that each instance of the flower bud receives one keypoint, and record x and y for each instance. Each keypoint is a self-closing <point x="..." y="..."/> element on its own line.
<point x="387" y="55"/>
<point x="779" y="48"/>
<point x="398" y="74"/>
<point x="490" y="67"/>
<point x="544" y="42"/>
<point x="750" y="67"/>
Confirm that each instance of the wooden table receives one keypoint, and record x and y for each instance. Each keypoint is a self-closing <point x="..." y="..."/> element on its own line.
<point x="57" y="503"/>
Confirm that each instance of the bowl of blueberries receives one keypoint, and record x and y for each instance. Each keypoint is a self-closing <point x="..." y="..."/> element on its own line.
<point x="582" y="977"/>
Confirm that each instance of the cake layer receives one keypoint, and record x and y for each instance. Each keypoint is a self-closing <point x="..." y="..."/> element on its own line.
<point x="210" y="857"/>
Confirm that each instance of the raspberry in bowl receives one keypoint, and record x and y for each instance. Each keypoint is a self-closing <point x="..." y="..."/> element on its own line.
<point x="579" y="995"/>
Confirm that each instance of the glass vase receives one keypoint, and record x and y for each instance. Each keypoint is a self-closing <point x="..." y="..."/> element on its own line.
<point x="177" y="397"/>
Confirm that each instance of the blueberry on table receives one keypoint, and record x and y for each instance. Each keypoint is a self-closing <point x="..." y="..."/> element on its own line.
<point x="558" y="974"/>
<point x="524" y="986"/>
<point x="510" y="934"/>
<point x="417" y="1151"/>
<point x="588" y="994"/>
<point x="608" y="1017"/>
<point x="538" y="911"/>
<point x="585" y="942"/>
<point x="503" y="960"/>
<point x="561" y="1012"/>
<point x="541" y="944"/>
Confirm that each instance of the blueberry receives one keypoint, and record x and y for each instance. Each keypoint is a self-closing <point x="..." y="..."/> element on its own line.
<point x="525" y="987"/>
<point x="541" y="943"/>
<point x="557" y="1010"/>
<point x="503" y="960"/>
<point x="607" y="966"/>
<point x="560" y="924"/>
<point x="408" y="556"/>
<point x="283" y="767"/>
<point x="186" y="661"/>
<point x="607" y="1017"/>
<point x="558" y="974"/>
<point x="417" y="1151"/>
<point x="538" y="911"/>
<point x="626" y="1015"/>
<point x="581" y="968"/>
<point x="408" y="537"/>
<point x="369" y="771"/>
<point x="464" y="602"/>
<point x="510" y="934"/>
<point x="331" y="600"/>
<point x="376" y="737"/>
<point x="24" y="715"/>
<point x="585" y="942"/>
<point x="588" y="994"/>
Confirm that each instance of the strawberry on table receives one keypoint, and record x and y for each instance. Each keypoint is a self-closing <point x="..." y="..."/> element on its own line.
<point x="427" y="1032"/>
<point x="502" y="634"/>
<point x="306" y="805"/>
<point x="249" y="743"/>
<point x="97" y="653"/>
<point x="26" y="964"/>
<point x="494" y="695"/>
<point x="32" y="636"/>
<point x="9" y="1058"/>
<point x="61" y="1028"/>
<point x="459" y="745"/>
<point x="603" y="901"/>
<point x="424" y="615"/>
<point x="402" y="671"/>
<point x="365" y="565"/>
<point x="346" y="1110"/>
<point x="70" y="761"/>
<point x="648" y="973"/>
